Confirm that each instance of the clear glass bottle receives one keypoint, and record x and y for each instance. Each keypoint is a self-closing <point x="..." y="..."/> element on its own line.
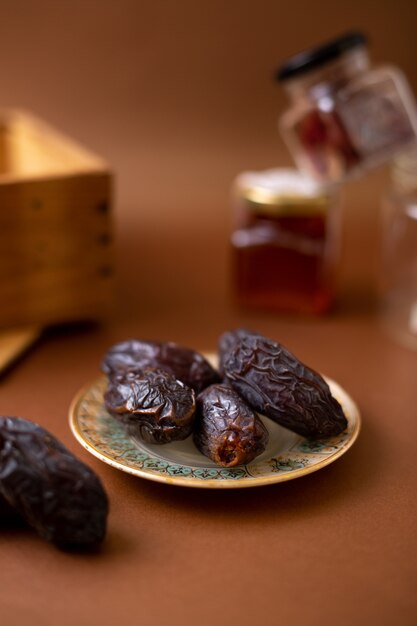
<point x="285" y="242"/>
<point x="346" y="116"/>
<point x="399" y="251"/>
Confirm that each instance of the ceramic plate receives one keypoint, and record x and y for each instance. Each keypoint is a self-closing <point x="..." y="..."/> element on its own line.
<point x="287" y="456"/>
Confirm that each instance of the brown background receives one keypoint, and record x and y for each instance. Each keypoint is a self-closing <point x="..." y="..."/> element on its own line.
<point x="179" y="97"/>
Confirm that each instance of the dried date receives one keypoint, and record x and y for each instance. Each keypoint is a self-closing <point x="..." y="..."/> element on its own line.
<point x="227" y="430"/>
<point x="275" y="383"/>
<point x="228" y="341"/>
<point x="187" y="365"/>
<point x="7" y="512"/>
<point x="152" y="404"/>
<point x="49" y="487"/>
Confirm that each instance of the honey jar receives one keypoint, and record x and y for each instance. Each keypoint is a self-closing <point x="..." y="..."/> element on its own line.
<point x="398" y="276"/>
<point x="285" y="242"/>
<point x="346" y="115"/>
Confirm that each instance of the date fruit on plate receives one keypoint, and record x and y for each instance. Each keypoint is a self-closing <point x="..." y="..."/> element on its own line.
<point x="227" y="430"/>
<point x="277" y="384"/>
<point x="152" y="404"/>
<point x="49" y="487"/>
<point x="187" y="365"/>
<point x="228" y="341"/>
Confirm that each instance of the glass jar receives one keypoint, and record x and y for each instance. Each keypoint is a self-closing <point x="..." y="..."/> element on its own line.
<point x="285" y="242"/>
<point x="399" y="251"/>
<point x="346" y="116"/>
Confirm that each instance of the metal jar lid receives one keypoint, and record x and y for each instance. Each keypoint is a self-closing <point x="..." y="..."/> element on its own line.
<point x="313" y="58"/>
<point x="281" y="191"/>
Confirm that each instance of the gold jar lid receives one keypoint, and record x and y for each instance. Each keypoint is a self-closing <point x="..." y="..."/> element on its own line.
<point x="282" y="191"/>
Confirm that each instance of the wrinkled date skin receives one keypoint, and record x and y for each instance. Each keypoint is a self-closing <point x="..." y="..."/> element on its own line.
<point x="275" y="383"/>
<point x="185" y="364"/>
<point x="152" y="404"/>
<point x="50" y="488"/>
<point x="227" y="430"/>
<point x="228" y="341"/>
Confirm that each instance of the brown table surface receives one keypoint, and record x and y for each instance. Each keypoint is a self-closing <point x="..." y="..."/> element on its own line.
<point x="178" y="97"/>
<point x="337" y="546"/>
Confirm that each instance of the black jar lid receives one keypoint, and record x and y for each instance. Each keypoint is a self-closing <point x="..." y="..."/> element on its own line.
<point x="315" y="57"/>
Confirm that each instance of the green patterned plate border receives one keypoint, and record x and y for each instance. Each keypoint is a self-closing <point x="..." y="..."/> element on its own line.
<point x="287" y="456"/>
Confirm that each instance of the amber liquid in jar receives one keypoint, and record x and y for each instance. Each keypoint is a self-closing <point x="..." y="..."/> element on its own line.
<point x="283" y="258"/>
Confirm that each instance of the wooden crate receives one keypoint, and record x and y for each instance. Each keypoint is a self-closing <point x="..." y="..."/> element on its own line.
<point x="55" y="226"/>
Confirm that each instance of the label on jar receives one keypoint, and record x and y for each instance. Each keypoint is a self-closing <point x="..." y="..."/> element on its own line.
<point x="375" y="118"/>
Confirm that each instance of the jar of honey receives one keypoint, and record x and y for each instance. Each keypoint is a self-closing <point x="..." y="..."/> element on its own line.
<point x="285" y="242"/>
<point x="398" y="277"/>
<point x="346" y="115"/>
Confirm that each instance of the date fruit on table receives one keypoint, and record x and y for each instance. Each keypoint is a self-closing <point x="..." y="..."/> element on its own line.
<point x="49" y="487"/>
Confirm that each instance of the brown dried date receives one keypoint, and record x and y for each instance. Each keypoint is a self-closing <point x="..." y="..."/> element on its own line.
<point x="7" y="512"/>
<point x="275" y="383"/>
<point x="50" y="488"/>
<point x="228" y="341"/>
<point x="227" y="430"/>
<point x="152" y="404"/>
<point x="185" y="364"/>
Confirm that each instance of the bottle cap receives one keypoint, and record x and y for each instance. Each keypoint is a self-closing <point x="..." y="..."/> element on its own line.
<point x="315" y="57"/>
<point x="282" y="190"/>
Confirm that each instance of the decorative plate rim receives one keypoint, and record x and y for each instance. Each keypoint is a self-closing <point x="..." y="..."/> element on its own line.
<point x="347" y="439"/>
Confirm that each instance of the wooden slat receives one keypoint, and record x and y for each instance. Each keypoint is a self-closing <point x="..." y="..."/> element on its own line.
<point x="13" y="343"/>
<point x="55" y="200"/>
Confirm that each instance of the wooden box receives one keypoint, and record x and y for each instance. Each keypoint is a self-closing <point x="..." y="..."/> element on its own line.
<point x="55" y="226"/>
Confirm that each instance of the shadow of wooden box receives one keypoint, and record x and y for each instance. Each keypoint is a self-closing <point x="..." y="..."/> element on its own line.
<point x="55" y="226"/>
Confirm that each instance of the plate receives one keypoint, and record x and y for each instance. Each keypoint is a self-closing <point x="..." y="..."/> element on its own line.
<point x="286" y="457"/>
